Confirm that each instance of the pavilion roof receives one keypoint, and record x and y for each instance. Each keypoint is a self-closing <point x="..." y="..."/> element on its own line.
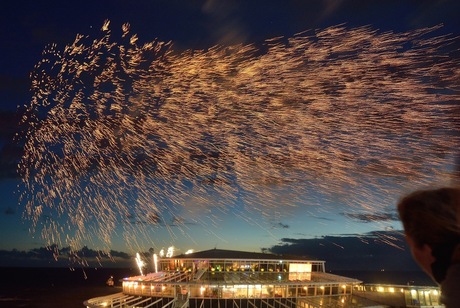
<point x="235" y="254"/>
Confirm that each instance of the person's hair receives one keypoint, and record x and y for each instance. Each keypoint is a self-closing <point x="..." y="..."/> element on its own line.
<point x="432" y="217"/>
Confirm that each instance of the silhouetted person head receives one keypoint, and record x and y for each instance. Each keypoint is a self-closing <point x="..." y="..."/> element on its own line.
<point x="431" y="223"/>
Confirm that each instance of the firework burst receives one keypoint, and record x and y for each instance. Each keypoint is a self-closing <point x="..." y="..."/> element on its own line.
<point x="118" y="130"/>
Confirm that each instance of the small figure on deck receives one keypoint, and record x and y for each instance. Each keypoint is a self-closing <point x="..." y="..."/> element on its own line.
<point x="110" y="282"/>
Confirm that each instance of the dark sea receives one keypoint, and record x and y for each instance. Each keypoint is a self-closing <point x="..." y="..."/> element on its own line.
<point x="67" y="287"/>
<point x="57" y="287"/>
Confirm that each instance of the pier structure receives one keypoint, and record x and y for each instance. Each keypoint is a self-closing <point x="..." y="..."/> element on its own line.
<point x="233" y="279"/>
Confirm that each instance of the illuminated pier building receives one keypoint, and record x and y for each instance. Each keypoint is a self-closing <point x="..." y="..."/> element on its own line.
<point x="234" y="279"/>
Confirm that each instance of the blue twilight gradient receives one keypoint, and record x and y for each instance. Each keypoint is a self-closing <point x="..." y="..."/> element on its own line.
<point x="28" y="26"/>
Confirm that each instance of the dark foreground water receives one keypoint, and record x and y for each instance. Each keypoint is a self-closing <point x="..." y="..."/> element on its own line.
<point x="56" y="287"/>
<point x="63" y="287"/>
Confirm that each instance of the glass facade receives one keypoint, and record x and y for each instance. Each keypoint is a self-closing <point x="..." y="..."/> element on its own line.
<point x="403" y="296"/>
<point x="238" y="283"/>
<point x="183" y="282"/>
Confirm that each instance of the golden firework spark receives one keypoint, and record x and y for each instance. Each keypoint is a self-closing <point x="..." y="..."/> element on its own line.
<point x="118" y="130"/>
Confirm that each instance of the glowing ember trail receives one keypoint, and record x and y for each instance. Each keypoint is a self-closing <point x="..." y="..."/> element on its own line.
<point x="119" y="132"/>
<point x="155" y="262"/>
<point x="140" y="263"/>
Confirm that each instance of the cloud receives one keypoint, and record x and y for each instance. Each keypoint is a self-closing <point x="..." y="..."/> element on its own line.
<point x="324" y="218"/>
<point x="370" y="251"/>
<point x="372" y="217"/>
<point x="10" y="151"/>
<point x="14" y="91"/>
<point x="9" y="211"/>
<point x="227" y="27"/>
<point x="63" y="257"/>
<point x="280" y="225"/>
<point x="155" y="219"/>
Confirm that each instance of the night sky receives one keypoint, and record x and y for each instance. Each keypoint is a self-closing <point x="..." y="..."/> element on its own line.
<point x="326" y="230"/>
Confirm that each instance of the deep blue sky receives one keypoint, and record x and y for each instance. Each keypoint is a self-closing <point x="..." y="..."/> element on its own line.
<point x="28" y="26"/>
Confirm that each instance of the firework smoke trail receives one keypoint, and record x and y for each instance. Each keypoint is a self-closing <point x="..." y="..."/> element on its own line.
<point x="118" y="131"/>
